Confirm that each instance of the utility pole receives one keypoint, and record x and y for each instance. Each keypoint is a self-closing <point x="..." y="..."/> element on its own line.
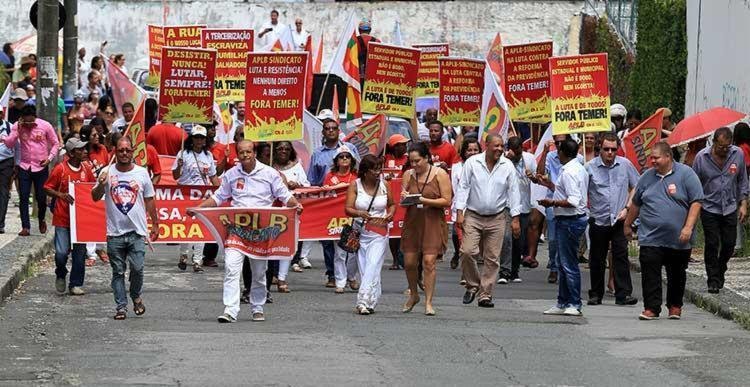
<point x="70" y="50"/>
<point x="46" y="43"/>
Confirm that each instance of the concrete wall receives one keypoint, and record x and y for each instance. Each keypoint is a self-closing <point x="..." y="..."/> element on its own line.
<point x="468" y="26"/>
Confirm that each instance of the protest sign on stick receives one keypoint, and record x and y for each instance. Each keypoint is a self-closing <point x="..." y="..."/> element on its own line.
<point x="183" y="36"/>
<point x="461" y="83"/>
<point x="186" y="93"/>
<point x="527" y="85"/>
<point x="428" y="79"/>
<point x="580" y="93"/>
<point x="232" y="47"/>
<point x="390" y="80"/>
<point x="155" y="43"/>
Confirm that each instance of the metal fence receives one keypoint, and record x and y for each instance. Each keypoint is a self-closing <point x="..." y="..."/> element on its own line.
<point x="623" y="14"/>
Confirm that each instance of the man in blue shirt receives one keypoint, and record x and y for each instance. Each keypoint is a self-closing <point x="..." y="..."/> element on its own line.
<point x="611" y="179"/>
<point x="667" y="200"/>
<point x="721" y="170"/>
<point x="320" y="163"/>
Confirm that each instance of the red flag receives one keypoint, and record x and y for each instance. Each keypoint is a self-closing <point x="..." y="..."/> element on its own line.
<point x="637" y="144"/>
<point x="123" y="89"/>
<point x="335" y="105"/>
<point x="369" y="138"/>
<point x="309" y="71"/>
<point x="495" y="59"/>
<point x="137" y="132"/>
<point x="318" y="61"/>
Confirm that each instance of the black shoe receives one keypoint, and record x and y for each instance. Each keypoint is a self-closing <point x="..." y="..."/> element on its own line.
<point x="628" y="300"/>
<point x="245" y="298"/>
<point x="486" y="303"/>
<point x="269" y="299"/>
<point x="454" y="262"/>
<point x="469" y="296"/>
<point x="552" y="277"/>
<point x="582" y="259"/>
<point x="594" y="301"/>
<point x="713" y="289"/>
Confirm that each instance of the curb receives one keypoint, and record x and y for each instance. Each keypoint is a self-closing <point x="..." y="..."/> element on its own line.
<point x="727" y="304"/>
<point x="23" y="266"/>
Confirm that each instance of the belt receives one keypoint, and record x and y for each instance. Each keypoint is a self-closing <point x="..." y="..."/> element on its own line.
<point x="487" y="216"/>
<point x="569" y="217"/>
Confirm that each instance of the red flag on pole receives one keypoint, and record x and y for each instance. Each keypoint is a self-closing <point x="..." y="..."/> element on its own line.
<point x="318" y="61"/>
<point x="309" y="71"/>
<point x="137" y="132"/>
<point x="637" y="144"/>
<point x="495" y="59"/>
<point x="335" y="105"/>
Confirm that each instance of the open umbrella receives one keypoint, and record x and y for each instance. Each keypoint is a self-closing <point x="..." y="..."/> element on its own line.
<point x="702" y="125"/>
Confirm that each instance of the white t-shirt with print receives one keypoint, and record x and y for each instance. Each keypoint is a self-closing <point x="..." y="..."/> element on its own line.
<point x="197" y="168"/>
<point x="124" y="203"/>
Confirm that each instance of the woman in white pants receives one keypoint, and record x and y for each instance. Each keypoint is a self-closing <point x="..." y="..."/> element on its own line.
<point x="369" y="201"/>
<point x="194" y="165"/>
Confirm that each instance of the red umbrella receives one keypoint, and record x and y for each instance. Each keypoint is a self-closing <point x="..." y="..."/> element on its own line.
<point x="702" y="125"/>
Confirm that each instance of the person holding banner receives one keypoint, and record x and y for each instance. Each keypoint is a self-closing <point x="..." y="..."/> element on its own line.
<point x="369" y="199"/>
<point x="129" y="195"/>
<point x="250" y="184"/>
<point x="343" y="172"/>
<point x="425" y="232"/>
<point x="194" y="165"/>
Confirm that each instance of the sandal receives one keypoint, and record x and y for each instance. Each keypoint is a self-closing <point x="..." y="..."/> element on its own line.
<point x="395" y="266"/>
<point x="138" y="308"/>
<point x="90" y="262"/>
<point x="120" y="315"/>
<point x="103" y="256"/>
<point x="282" y="286"/>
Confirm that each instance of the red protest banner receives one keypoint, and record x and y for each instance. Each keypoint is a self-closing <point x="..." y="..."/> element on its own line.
<point x="183" y="36"/>
<point x="155" y="43"/>
<point x="261" y="233"/>
<point x="274" y="95"/>
<point x="232" y="47"/>
<point x="369" y="137"/>
<point x="87" y="217"/>
<point x="637" y="144"/>
<point x="579" y="93"/>
<point x="428" y="79"/>
<point x="495" y="60"/>
<point x="527" y="87"/>
<point x="461" y="83"/>
<point x="136" y="131"/>
<point x="186" y="93"/>
<point x="391" y="77"/>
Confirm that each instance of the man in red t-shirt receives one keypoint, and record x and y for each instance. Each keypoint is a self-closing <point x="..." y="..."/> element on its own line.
<point x="167" y="138"/>
<point x="443" y="153"/>
<point x="56" y="186"/>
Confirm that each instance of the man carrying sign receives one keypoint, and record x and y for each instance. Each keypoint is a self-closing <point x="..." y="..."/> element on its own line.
<point x="249" y="184"/>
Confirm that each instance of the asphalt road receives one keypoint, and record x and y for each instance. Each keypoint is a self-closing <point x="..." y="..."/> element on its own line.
<point x="312" y="337"/>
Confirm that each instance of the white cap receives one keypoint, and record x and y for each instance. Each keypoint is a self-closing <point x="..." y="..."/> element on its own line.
<point x="325" y="113"/>
<point x="618" y="110"/>
<point x="199" y="130"/>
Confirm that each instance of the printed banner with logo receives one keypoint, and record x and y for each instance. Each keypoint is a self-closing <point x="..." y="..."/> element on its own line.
<point x="579" y="93"/>
<point x="183" y="36"/>
<point x="274" y="96"/>
<point x="527" y="86"/>
<point x="88" y="218"/>
<point x="391" y="77"/>
<point x="369" y="137"/>
<point x="232" y="47"/>
<point x="187" y="85"/>
<point x="155" y="43"/>
<point x="267" y="233"/>
<point x="637" y="144"/>
<point x="461" y="83"/>
<point x="428" y="77"/>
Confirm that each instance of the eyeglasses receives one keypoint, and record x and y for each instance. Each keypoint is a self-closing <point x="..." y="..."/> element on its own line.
<point x="299" y="24"/>
<point x="344" y="157"/>
<point x="283" y="148"/>
<point x="330" y="128"/>
<point x="609" y="149"/>
<point x="109" y="113"/>
<point x="723" y="147"/>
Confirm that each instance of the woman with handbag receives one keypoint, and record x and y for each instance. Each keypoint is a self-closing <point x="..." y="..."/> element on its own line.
<point x="428" y="192"/>
<point x="194" y="165"/>
<point x="343" y="172"/>
<point x="369" y="201"/>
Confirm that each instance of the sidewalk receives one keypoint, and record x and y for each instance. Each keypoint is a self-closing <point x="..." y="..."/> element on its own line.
<point x="18" y="255"/>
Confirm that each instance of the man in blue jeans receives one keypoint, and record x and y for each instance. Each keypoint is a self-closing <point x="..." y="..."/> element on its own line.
<point x="130" y="194"/>
<point x="571" y="216"/>
<point x="71" y="170"/>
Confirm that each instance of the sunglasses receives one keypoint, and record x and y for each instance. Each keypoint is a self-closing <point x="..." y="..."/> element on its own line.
<point x="330" y="128"/>
<point x="344" y="157"/>
<point x="609" y="149"/>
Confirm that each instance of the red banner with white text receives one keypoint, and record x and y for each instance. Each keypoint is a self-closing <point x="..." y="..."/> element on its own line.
<point x="461" y="84"/>
<point x="232" y="46"/>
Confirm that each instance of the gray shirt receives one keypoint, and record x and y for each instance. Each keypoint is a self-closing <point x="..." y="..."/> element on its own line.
<point x="664" y="203"/>
<point x="723" y="186"/>
<point x="608" y="188"/>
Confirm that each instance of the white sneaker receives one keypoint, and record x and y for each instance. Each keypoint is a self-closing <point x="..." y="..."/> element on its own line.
<point x="555" y="311"/>
<point x="571" y="311"/>
<point x="305" y="264"/>
<point x="503" y="281"/>
<point x="517" y="280"/>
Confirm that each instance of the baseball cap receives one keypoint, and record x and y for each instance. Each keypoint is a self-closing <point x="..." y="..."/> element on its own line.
<point x="19" y="93"/>
<point x="397" y="139"/>
<point x="199" y="130"/>
<point x="325" y="113"/>
<point x="74" y="143"/>
<point x="667" y="112"/>
<point x="343" y="149"/>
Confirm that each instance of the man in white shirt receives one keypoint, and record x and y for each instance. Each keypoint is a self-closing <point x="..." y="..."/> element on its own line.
<point x="569" y="204"/>
<point x="249" y="184"/>
<point x="487" y="193"/>
<point x="121" y="124"/>
<point x="130" y="194"/>
<point x="299" y="36"/>
<point x="270" y="31"/>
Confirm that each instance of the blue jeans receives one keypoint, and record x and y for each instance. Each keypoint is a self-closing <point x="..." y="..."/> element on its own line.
<point x="62" y="248"/>
<point x="551" y="240"/>
<point x="569" y="231"/>
<point x="25" y="179"/>
<point x="328" y="253"/>
<point x="126" y="249"/>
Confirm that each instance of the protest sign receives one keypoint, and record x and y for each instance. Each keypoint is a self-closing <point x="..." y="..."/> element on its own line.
<point x="390" y="80"/>
<point x="268" y="233"/>
<point x="155" y="43"/>
<point x="187" y="85"/>
<point x="580" y="93"/>
<point x="274" y="96"/>
<point x="637" y="144"/>
<point x="232" y="47"/>
<point x="369" y="137"/>
<point x="428" y="79"/>
<point x="183" y="36"/>
<point x="461" y="83"/>
<point x="527" y="86"/>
